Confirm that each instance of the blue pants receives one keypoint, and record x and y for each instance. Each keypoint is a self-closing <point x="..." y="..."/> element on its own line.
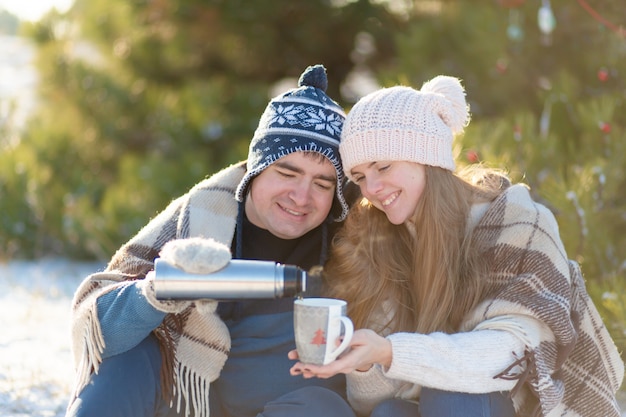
<point x="437" y="403"/>
<point x="128" y="385"/>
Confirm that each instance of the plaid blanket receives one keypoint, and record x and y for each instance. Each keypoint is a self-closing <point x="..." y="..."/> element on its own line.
<point x="194" y="342"/>
<point x="575" y="369"/>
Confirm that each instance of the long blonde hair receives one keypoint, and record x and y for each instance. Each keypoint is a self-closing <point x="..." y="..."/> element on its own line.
<point x="432" y="275"/>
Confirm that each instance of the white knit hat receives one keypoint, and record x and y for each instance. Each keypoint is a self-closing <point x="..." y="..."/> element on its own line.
<point x="404" y="124"/>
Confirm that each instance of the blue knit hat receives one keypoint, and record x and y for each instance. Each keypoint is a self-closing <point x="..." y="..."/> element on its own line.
<point x="302" y="119"/>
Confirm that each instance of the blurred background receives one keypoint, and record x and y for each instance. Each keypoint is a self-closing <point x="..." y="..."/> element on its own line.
<point x="111" y="108"/>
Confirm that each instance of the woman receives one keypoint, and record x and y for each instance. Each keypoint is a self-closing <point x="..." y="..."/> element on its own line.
<point x="459" y="283"/>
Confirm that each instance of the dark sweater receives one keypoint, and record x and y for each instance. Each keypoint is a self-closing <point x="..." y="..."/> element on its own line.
<point x="257" y="369"/>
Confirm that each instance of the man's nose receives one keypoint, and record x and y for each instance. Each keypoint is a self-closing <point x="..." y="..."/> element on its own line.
<point x="301" y="193"/>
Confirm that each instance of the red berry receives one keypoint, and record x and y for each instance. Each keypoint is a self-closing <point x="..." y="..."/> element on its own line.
<point x="472" y="156"/>
<point x="605" y="127"/>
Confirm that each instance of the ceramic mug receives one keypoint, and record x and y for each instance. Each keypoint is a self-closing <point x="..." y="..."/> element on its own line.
<point x="318" y="324"/>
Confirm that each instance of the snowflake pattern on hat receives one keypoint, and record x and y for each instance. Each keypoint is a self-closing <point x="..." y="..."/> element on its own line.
<point x="304" y="119"/>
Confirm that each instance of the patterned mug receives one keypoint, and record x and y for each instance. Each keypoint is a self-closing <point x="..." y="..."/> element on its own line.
<point x="319" y="323"/>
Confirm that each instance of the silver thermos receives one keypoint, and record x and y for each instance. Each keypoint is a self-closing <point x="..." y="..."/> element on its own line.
<point x="240" y="279"/>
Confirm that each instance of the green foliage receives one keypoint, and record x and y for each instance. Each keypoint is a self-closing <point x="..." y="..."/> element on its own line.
<point x="608" y="296"/>
<point x="583" y="184"/>
<point x="142" y="99"/>
<point x="259" y="42"/>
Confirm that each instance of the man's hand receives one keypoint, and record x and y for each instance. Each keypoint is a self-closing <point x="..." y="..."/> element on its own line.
<point x="196" y="255"/>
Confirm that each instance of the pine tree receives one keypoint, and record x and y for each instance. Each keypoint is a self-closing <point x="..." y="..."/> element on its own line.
<point x="319" y="338"/>
<point x="142" y="99"/>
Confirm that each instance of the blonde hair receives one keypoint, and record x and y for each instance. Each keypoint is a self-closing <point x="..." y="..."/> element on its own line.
<point x="432" y="276"/>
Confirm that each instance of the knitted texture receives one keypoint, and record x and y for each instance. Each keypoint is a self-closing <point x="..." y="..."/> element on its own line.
<point x="576" y="369"/>
<point x="570" y="366"/>
<point x="302" y="119"/>
<point x="403" y="124"/>
<point x="194" y="341"/>
<point x="196" y="255"/>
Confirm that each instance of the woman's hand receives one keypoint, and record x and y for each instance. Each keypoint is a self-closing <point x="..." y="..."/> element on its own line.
<point x="366" y="349"/>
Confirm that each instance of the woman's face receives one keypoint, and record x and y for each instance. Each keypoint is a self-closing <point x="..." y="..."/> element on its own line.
<point x="394" y="187"/>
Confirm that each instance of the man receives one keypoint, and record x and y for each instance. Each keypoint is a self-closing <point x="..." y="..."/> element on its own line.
<point x="138" y="356"/>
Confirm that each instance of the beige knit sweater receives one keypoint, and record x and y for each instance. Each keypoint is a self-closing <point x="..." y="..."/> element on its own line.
<point x="537" y="320"/>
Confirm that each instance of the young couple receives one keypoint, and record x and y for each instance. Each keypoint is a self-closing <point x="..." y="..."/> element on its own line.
<point x="463" y="295"/>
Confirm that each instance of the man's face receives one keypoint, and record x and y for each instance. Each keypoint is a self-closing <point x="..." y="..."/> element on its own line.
<point x="293" y="195"/>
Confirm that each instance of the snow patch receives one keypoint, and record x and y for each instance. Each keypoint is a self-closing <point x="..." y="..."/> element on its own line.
<point x="36" y="368"/>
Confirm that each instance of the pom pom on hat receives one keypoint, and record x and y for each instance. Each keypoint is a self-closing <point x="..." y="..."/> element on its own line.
<point x="452" y="90"/>
<point x="302" y="119"/>
<point x="314" y="76"/>
<point x="404" y="124"/>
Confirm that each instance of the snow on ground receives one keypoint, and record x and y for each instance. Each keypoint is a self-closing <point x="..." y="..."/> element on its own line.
<point x="35" y="359"/>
